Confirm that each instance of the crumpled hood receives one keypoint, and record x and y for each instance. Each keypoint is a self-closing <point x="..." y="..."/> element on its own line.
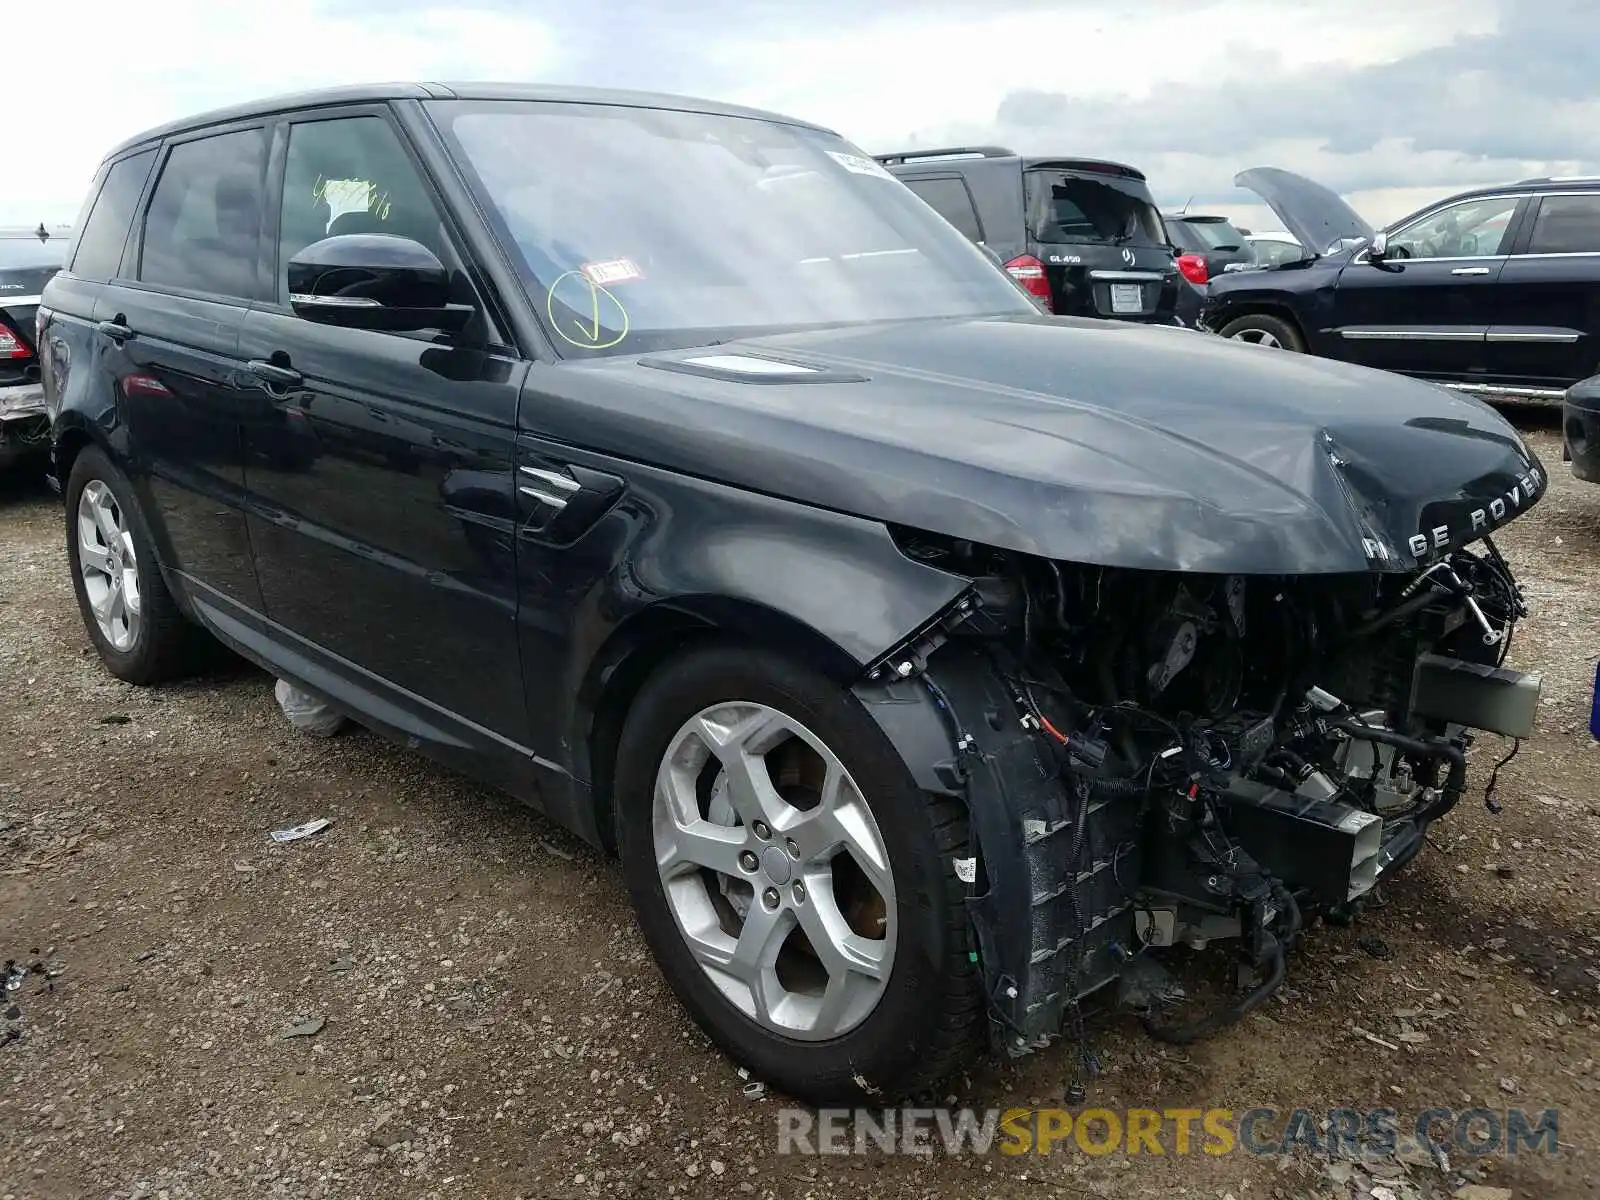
<point x="1089" y="441"/>
<point x="1317" y="216"/>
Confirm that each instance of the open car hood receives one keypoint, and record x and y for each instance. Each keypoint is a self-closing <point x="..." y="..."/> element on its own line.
<point x="1317" y="216"/>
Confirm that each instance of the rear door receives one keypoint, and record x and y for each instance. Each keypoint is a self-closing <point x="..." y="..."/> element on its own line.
<point x="1546" y="333"/>
<point x="170" y="335"/>
<point x="1426" y="308"/>
<point x="72" y="365"/>
<point x="380" y="464"/>
<point x="949" y="196"/>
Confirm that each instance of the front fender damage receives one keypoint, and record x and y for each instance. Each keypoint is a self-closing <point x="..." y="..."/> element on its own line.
<point x="1050" y="909"/>
<point x="1156" y="759"/>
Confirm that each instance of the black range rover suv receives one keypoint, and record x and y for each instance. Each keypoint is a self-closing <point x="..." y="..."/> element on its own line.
<point x="1495" y="291"/>
<point x="929" y="662"/>
<point x="1082" y="235"/>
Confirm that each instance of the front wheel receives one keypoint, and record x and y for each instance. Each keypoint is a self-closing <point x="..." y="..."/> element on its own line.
<point x="795" y="886"/>
<point x="1262" y="329"/>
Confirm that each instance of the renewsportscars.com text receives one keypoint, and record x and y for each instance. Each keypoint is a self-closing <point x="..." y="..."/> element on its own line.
<point x="1337" y="1132"/>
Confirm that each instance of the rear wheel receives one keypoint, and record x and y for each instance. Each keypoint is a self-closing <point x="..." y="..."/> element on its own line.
<point x="129" y="614"/>
<point x="1263" y="329"/>
<point x="795" y="886"/>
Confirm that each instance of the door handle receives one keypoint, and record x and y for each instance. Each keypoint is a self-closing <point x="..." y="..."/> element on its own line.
<point x="273" y="375"/>
<point x="1470" y="271"/>
<point x="116" y="329"/>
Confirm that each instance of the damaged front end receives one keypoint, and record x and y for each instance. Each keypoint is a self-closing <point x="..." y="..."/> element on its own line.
<point x="1158" y="759"/>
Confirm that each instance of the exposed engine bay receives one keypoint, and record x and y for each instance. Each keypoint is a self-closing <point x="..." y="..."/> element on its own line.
<point x="1158" y="759"/>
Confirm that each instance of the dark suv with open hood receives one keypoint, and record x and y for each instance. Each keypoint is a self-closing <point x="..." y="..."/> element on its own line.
<point x="1082" y="235"/>
<point x="1495" y="291"/>
<point x="930" y="663"/>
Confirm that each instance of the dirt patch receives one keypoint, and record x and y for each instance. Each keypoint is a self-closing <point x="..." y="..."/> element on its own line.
<point x="442" y="995"/>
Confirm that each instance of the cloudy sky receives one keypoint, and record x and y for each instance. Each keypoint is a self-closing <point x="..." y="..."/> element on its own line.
<point x="1393" y="104"/>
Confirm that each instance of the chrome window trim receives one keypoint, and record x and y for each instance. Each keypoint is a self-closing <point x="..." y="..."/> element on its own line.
<point x="333" y="301"/>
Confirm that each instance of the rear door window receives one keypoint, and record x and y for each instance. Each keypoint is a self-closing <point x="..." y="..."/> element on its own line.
<point x="1066" y="207"/>
<point x="203" y="230"/>
<point x="948" y="196"/>
<point x="1471" y="229"/>
<point x="103" y="235"/>
<point x="1566" y="225"/>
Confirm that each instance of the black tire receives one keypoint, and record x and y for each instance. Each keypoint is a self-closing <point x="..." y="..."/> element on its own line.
<point x="166" y="645"/>
<point x="1281" y="331"/>
<point x="928" y="1021"/>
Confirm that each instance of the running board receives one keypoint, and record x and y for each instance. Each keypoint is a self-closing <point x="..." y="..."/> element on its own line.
<point x="1526" y="394"/>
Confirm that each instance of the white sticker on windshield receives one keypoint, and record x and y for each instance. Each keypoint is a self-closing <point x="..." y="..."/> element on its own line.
<point x="859" y="164"/>
<point x="616" y="270"/>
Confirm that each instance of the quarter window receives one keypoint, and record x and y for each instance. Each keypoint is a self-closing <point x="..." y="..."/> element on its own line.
<point x="1567" y="225"/>
<point x="351" y="176"/>
<point x="203" y="231"/>
<point x="99" y="253"/>
<point x="1471" y="229"/>
<point x="951" y="200"/>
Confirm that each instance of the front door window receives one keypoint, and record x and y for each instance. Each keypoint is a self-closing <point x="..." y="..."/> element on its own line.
<point x="1471" y="229"/>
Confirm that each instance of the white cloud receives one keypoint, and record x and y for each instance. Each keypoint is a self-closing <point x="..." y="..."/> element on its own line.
<point x="108" y="72"/>
<point x="1394" y="103"/>
<point x="882" y="80"/>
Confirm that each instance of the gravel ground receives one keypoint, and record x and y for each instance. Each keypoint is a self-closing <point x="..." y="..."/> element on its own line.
<point x="443" y="995"/>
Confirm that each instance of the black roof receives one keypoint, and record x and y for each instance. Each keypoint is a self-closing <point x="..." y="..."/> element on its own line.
<point x="367" y="93"/>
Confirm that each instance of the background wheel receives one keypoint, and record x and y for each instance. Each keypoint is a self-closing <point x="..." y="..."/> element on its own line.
<point x="131" y="617"/>
<point x="794" y="884"/>
<point x="1260" y="329"/>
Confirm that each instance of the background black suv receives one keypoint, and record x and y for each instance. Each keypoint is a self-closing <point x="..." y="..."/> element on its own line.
<point x="1217" y="240"/>
<point x="1082" y="235"/>
<point x="1494" y="291"/>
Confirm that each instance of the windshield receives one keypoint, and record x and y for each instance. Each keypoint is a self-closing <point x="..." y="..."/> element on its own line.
<point x="1107" y="209"/>
<point x="642" y="229"/>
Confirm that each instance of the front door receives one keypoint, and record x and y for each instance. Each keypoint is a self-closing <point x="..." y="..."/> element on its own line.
<point x="1426" y="307"/>
<point x="380" y="465"/>
<point x="172" y="332"/>
<point x="1547" y="334"/>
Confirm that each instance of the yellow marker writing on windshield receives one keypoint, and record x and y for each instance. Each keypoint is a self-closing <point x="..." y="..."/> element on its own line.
<point x="590" y="333"/>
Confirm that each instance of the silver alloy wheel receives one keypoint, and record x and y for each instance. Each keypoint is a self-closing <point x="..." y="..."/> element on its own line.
<point x="775" y="870"/>
<point x="110" y="569"/>
<point x="1258" y="337"/>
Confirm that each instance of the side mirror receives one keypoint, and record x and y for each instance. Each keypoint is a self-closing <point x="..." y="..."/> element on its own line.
<point x="374" y="281"/>
<point x="1379" y="248"/>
